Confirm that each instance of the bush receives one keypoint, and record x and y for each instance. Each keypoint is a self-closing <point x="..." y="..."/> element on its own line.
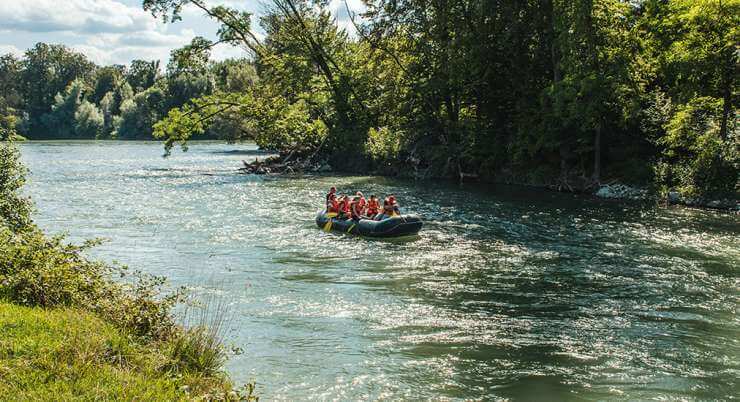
<point x="139" y="114"/>
<point x="695" y="160"/>
<point x="39" y="271"/>
<point x="8" y="124"/>
<point x="383" y="145"/>
<point x="89" y="121"/>
<point x="15" y="210"/>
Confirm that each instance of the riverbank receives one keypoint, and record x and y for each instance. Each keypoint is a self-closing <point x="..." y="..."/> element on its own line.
<point x="69" y="330"/>
<point x="66" y="353"/>
<point x="285" y="164"/>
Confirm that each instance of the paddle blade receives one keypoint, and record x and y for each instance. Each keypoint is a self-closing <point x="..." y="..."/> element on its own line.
<point x="327" y="227"/>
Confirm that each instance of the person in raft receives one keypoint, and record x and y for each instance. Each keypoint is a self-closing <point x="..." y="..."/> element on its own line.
<point x="344" y="207"/>
<point x="373" y="207"/>
<point x="332" y="205"/>
<point x="357" y="208"/>
<point x="394" y="204"/>
<point x="388" y="209"/>
<point x="362" y="201"/>
<point x="331" y="194"/>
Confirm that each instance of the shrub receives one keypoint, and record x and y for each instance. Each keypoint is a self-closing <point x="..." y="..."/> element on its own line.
<point x="15" y="210"/>
<point x="89" y="121"/>
<point x="695" y="160"/>
<point x="383" y="145"/>
<point x="36" y="270"/>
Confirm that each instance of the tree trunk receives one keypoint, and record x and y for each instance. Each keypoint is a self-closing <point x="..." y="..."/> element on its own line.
<point x="597" y="155"/>
<point x="554" y="58"/>
<point x="727" y="109"/>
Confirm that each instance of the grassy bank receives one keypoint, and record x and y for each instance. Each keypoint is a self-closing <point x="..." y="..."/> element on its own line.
<point x="74" y="328"/>
<point x="65" y="354"/>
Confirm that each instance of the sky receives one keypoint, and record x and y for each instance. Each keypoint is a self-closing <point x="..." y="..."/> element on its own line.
<point x="118" y="31"/>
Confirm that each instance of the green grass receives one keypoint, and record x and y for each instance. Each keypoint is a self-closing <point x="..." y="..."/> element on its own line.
<point x="68" y="354"/>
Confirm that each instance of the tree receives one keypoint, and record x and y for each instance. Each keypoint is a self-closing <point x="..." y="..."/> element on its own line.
<point x="311" y="36"/>
<point x="192" y="58"/>
<point x="142" y="74"/>
<point x="555" y="92"/>
<point x="10" y="81"/>
<point x="11" y="101"/>
<point x="234" y="75"/>
<point x="106" y="108"/>
<point x="139" y="114"/>
<point x="183" y="87"/>
<point x="704" y="52"/>
<point x="47" y="71"/>
<point x="694" y="48"/>
<point x="107" y="79"/>
<point x="597" y="86"/>
<point x="61" y="118"/>
<point x="88" y="121"/>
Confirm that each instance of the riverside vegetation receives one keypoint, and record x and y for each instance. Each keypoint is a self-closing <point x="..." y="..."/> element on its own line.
<point x="565" y="94"/>
<point x="68" y="330"/>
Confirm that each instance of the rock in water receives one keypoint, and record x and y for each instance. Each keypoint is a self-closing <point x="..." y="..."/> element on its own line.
<point x="621" y="191"/>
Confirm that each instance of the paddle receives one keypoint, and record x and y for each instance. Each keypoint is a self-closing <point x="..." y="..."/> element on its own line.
<point x="329" y="215"/>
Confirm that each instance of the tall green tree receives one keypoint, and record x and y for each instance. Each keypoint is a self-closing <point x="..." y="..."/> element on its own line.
<point x="106" y="79"/>
<point x="142" y="74"/>
<point x="47" y="71"/>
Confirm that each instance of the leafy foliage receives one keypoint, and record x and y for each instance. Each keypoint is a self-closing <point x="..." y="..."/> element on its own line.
<point x="582" y="90"/>
<point x="695" y="159"/>
<point x="15" y="210"/>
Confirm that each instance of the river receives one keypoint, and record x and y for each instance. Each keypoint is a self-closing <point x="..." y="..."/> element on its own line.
<point x="507" y="292"/>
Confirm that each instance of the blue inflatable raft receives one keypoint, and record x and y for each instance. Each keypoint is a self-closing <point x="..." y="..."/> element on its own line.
<point x="396" y="226"/>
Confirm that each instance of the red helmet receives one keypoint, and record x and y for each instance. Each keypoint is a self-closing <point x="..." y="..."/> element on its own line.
<point x="392" y="199"/>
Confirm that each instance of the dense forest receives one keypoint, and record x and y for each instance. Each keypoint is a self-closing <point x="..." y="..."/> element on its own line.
<point x="570" y="94"/>
<point x="56" y="93"/>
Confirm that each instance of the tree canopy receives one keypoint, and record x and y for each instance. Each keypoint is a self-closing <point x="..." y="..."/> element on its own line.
<point x="570" y="94"/>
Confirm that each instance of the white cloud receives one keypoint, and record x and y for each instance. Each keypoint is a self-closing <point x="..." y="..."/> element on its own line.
<point x="92" y="16"/>
<point x="122" y="48"/>
<point x="156" y="39"/>
<point x="106" y="31"/>
<point x="118" y="31"/>
<point x="5" y="49"/>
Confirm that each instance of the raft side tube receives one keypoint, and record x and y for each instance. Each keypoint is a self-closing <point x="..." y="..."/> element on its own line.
<point x="396" y="226"/>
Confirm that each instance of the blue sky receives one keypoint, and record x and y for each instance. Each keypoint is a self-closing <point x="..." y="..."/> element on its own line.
<point x="116" y="31"/>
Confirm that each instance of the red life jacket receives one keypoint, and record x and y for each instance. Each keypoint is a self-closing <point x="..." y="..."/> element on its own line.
<point x="332" y="205"/>
<point x="344" y="206"/>
<point x="372" y="207"/>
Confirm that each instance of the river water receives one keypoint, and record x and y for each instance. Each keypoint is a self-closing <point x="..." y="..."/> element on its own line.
<point x="506" y="293"/>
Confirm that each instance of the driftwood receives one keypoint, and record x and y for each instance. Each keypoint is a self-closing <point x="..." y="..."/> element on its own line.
<point x="278" y="165"/>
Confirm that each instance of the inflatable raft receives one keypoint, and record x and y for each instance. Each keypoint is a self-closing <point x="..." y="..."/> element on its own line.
<point x="395" y="226"/>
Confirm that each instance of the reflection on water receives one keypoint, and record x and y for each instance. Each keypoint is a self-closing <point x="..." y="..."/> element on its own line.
<point x="506" y="293"/>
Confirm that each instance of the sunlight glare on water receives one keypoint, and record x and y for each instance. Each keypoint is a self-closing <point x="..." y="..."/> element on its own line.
<point x="506" y="293"/>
